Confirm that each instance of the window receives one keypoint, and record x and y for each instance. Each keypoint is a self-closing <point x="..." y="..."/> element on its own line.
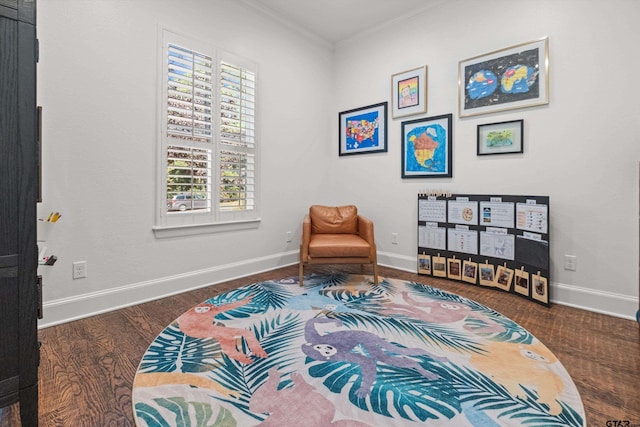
<point x="208" y="151"/>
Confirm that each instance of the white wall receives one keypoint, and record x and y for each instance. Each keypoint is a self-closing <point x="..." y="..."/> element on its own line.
<point x="97" y="83"/>
<point x="582" y="149"/>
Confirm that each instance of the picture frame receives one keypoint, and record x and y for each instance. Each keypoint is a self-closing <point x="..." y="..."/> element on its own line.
<point x="486" y="274"/>
<point x="521" y="283"/>
<point x="505" y="79"/>
<point x="504" y="277"/>
<point x="454" y="269"/>
<point x="501" y="138"/>
<point x="363" y="130"/>
<point x="539" y="289"/>
<point x="439" y="266"/>
<point x="427" y="147"/>
<point x="424" y="264"/>
<point x="470" y="271"/>
<point x="409" y="92"/>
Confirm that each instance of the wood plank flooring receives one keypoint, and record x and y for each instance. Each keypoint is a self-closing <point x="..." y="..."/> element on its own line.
<point x="88" y="366"/>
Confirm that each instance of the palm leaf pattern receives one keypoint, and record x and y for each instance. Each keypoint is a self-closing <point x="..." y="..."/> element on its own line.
<point x="173" y="351"/>
<point x="483" y="394"/>
<point x="276" y="336"/>
<point x="409" y="393"/>
<point x="398" y="393"/>
<point x="184" y="413"/>
<point x="512" y="333"/>
<point x="332" y="279"/>
<point x="265" y="296"/>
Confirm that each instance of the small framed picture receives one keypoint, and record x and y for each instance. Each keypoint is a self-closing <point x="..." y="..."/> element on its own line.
<point x="409" y="92"/>
<point x="539" y="289"/>
<point x="501" y="138"/>
<point x="454" y="269"/>
<point x="470" y="271"/>
<point x="521" y="285"/>
<point x="486" y="274"/>
<point x="503" y="278"/>
<point x="439" y="266"/>
<point x="424" y="264"/>
<point x="427" y="147"/>
<point x="363" y="130"/>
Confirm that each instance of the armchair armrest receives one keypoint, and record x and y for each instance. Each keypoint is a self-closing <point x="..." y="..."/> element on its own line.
<point x="365" y="230"/>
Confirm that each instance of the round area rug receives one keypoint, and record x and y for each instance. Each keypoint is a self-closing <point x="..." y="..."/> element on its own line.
<point x="340" y="351"/>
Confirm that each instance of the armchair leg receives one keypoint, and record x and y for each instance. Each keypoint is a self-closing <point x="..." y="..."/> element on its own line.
<point x="301" y="272"/>
<point x="375" y="273"/>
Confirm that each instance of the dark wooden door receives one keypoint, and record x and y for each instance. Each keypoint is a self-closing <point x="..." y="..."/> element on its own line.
<point x="19" y="354"/>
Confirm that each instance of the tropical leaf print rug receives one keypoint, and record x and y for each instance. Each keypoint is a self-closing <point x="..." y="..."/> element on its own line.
<point x="340" y="351"/>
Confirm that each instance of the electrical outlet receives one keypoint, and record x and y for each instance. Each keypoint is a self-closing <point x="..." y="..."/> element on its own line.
<point x="394" y="238"/>
<point x="570" y="262"/>
<point x="79" y="269"/>
<point x="289" y="236"/>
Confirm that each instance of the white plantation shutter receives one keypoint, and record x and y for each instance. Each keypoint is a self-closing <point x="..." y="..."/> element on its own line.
<point x="189" y="116"/>
<point x="190" y="95"/>
<point x="209" y="134"/>
<point x="237" y="138"/>
<point x="188" y="171"/>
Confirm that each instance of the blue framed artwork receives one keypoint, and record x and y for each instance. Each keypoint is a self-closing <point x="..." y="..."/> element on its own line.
<point x="427" y="147"/>
<point x="506" y="79"/>
<point x="363" y="130"/>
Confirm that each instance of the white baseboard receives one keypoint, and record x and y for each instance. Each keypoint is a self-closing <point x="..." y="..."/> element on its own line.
<point x="80" y="306"/>
<point x="624" y="306"/>
<point x="401" y="262"/>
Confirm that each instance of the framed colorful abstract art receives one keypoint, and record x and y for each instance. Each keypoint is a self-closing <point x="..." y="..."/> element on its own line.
<point x="506" y="79"/>
<point x="427" y="147"/>
<point x="409" y="92"/>
<point x="363" y="130"/>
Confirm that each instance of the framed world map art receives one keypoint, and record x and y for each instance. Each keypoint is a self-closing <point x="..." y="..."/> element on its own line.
<point x="427" y="147"/>
<point x="506" y="79"/>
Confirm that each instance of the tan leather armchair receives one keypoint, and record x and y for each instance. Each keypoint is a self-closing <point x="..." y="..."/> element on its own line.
<point x="337" y="235"/>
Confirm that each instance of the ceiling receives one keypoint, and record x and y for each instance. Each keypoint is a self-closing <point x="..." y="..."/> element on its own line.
<point x="337" y="20"/>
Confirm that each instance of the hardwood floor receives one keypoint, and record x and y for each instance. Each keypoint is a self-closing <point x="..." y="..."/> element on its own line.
<point x="87" y="367"/>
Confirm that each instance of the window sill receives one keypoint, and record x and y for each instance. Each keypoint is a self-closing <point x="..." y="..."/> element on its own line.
<point x="166" y="232"/>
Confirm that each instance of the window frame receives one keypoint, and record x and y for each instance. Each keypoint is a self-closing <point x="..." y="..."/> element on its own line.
<point x="214" y="219"/>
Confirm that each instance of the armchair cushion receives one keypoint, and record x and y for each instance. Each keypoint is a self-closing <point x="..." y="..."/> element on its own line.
<point x="338" y="245"/>
<point x="334" y="219"/>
